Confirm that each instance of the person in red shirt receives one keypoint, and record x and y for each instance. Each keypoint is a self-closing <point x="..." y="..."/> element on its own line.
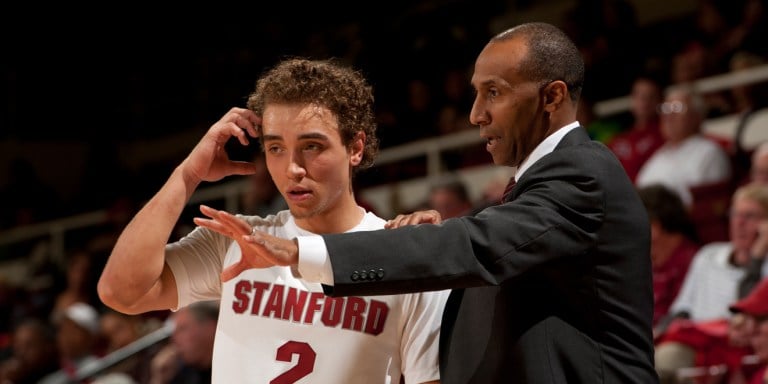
<point x="673" y="244"/>
<point x="750" y="323"/>
<point x="635" y="145"/>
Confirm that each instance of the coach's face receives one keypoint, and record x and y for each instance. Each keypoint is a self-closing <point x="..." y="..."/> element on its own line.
<point x="508" y="107"/>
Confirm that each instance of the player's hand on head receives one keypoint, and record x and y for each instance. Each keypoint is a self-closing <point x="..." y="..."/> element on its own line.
<point x="419" y="217"/>
<point x="209" y="160"/>
<point x="259" y="250"/>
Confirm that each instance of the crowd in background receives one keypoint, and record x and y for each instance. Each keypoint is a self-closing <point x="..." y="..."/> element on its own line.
<point x="705" y="197"/>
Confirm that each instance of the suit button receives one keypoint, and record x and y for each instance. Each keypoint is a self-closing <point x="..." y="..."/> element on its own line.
<point x="371" y="275"/>
<point x="380" y="274"/>
<point x="355" y="276"/>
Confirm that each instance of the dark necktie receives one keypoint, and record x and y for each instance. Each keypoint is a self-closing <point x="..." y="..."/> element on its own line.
<point x="508" y="189"/>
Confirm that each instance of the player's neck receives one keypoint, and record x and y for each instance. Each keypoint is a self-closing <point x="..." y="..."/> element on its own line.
<point x="339" y="218"/>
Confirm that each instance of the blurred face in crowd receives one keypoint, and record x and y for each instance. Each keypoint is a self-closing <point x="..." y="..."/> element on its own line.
<point x="31" y="347"/>
<point x="745" y="217"/>
<point x="448" y="203"/>
<point x="193" y="338"/>
<point x="645" y="99"/>
<point x="759" y="168"/>
<point x="759" y="338"/>
<point x="679" y="117"/>
<point x="119" y="330"/>
<point x="74" y="341"/>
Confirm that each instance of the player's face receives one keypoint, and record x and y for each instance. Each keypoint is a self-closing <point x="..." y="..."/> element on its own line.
<point x="307" y="159"/>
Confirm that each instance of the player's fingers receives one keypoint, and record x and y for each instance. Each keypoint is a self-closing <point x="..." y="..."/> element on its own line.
<point x="252" y="121"/>
<point x="232" y="271"/>
<point x="210" y="224"/>
<point x="234" y="128"/>
<point x="236" y="225"/>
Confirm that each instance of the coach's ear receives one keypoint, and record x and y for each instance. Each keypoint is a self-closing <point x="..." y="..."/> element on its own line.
<point x="554" y="94"/>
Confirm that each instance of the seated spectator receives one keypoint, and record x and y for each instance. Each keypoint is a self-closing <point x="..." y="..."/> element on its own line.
<point x="190" y="352"/>
<point x="749" y="326"/>
<point x="746" y="100"/>
<point x="165" y="365"/>
<point x="449" y="197"/>
<point x="758" y="169"/>
<point x="687" y="158"/>
<point x="34" y="353"/>
<point x="120" y="330"/>
<point x="719" y="274"/>
<point x="81" y="275"/>
<point x="77" y="334"/>
<point x="634" y="146"/>
<point x="673" y="244"/>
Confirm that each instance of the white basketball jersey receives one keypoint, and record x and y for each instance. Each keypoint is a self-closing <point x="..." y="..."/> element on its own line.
<point x="274" y="328"/>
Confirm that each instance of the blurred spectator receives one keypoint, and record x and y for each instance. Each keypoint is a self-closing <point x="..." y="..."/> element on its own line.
<point x="454" y="102"/>
<point x="77" y="334"/>
<point x="492" y="192"/>
<point x="449" y="197"/>
<point x="687" y="158"/>
<point x="747" y="97"/>
<point x="119" y="330"/>
<point x="165" y="365"/>
<point x="34" y="353"/>
<point x="746" y="100"/>
<point x="635" y="146"/>
<point x="674" y="242"/>
<point x="81" y="276"/>
<point x="191" y="344"/>
<point x="758" y="171"/>
<point x="719" y="274"/>
<point x="749" y="326"/>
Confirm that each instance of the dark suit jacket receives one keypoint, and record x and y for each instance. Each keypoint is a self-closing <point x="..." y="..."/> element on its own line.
<point x="553" y="286"/>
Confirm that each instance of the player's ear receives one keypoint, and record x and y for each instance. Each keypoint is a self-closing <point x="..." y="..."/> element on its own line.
<point x="356" y="148"/>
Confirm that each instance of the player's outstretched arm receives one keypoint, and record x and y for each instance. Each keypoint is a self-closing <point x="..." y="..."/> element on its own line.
<point x="136" y="278"/>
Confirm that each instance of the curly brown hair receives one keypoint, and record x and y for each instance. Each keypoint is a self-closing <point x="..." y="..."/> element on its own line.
<point x="343" y="90"/>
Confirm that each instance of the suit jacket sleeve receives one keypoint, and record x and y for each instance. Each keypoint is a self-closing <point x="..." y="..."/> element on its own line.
<point x="557" y="212"/>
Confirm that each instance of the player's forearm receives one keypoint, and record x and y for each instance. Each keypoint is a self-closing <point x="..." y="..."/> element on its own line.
<point x="132" y="275"/>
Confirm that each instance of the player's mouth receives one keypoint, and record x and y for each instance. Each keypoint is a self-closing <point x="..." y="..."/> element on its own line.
<point x="299" y="193"/>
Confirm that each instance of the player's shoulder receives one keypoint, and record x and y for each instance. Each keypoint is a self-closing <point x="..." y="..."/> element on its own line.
<point x="277" y="219"/>
<point x="371" y="222"/>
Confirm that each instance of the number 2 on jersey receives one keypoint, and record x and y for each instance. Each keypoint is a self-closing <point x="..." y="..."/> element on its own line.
<point x="304" y="366"/>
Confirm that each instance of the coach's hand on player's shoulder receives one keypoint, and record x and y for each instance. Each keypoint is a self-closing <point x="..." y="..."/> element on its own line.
<point x="419" y="217"/>
<point x="258" y="249"/>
